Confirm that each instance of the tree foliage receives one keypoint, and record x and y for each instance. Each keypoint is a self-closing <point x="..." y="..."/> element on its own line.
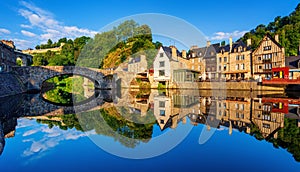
<point x="288" y="29"/>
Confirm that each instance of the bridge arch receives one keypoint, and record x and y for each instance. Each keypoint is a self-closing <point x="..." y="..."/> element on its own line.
<point x="34" y="77"/>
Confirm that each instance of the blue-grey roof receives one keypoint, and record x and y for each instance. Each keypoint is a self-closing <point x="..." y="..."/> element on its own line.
<point x="206" y="52"/>
<point x="168" y="52"/>
<point x="292" y="62"/>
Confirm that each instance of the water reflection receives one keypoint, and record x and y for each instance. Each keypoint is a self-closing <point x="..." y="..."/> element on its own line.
<point x="130" y="118"/>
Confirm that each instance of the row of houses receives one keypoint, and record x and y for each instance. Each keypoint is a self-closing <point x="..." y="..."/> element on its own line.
<point x="235" y="61"/>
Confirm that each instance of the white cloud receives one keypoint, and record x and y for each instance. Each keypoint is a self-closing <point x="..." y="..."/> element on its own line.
<point x="4" y="31"/>
<point x="27" y="33"/>
<point x="26" y="26"/>
<point x="23" y="44"/>
<point x="49" y="27"/>
<point x="218" y="36"/>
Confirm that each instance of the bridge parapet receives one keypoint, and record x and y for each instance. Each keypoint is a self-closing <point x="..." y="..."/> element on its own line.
<point x="34" y="76"/>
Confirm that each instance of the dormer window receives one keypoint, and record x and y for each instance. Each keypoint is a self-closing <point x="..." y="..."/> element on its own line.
<point x="161" y="54"/>
<point x="240" y="49"/>
<point x="212" y="53"/>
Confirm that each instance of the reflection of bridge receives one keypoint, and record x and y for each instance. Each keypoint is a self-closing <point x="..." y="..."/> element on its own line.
<point x="33" y="77"/>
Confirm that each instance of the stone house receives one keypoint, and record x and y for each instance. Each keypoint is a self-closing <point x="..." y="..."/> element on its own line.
<point x="204" y="60"/>
<point x="234" y="60"/>
<point x="138" y="64"/>
<point x="169" y="69"/>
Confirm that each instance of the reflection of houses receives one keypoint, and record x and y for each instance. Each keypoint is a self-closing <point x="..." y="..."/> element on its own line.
<point x="234" y="60"/>
<point x="235" y="113"/>
<point x="266" y="118"/>
<point x="171" y="109"/>
<point x="168" y="69"/>
<point x="269" y="54"/>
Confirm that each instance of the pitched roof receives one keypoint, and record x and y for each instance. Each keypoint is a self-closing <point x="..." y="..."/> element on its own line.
<point x="206" y="52"/>
<point x="235" y="45"/>
<point x="271" y="38"/>
<point x="168" y="52"/>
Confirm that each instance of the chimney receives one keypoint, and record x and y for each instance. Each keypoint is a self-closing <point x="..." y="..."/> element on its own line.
<point x="193" y="47"/>
<point x="277" y="38"/>
<point x="208" y="43"/>
<point x="249" y="42"/>
<point x="174" y="51"/>
<point x="230" y="43"/>
<point x="183" y="54"/>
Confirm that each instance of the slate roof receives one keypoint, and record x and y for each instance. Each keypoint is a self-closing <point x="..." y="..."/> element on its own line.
<point x="292" y="62"/>
<point x="206" y="52"/>
<point x="168" y="52"/>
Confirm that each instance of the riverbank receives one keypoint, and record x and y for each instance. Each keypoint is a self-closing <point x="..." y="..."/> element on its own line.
<point x="241" y="86"/>
<point x="10" y="85"/>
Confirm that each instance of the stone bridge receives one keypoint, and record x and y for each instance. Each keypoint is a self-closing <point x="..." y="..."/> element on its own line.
<point x="33" y="77"/>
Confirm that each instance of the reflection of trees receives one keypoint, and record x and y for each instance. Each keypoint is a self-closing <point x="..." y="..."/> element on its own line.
<point x="110" y="123"/>
<point x="69" y="121"/>
<point x="289" y="138"/>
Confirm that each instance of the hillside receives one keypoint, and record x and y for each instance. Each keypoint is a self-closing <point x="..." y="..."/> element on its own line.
<point x="111" y="48"/>
<point x="288" y="29"/>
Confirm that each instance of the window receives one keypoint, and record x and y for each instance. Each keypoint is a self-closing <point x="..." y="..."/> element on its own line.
<point x="2" y="55"/>
<point x="259" y="58"/>
<point x="266" y="48"/>
<point x="243" y="57"/>
<point x="225" y="59"/>
<point x="199" y="60"/>
<point x="208" y="69"/>
<point x="220" y="59"/>
<point x="266" y="126"/>
<point x="266" y="117"/>
<point x="161" y="72"/>
<point x="237" y="115"/>
<point x="162" y="121"/>
<point x="193" y="67"/>
<point x="162" y="64"/>
<point x="225" y="67"/>
<point x="193" y="60"/>
<point x="237" y="58"/>
<point x="161" y="54"/>
<point x="236" y="106"/>
<point x="220" y="68"/>
<point x="224" y="105"/>
<point x="242" y="107"/>
<point x="259" y="67"/>
<point x="193" y="55"/>
<point x="162" y="113"/>
<point x="162" y="104"/>
<point x="242" y="116"/>
<point x="237" y="67"/>
<point x="243" y="66"/>
<point x="199" y="68"/>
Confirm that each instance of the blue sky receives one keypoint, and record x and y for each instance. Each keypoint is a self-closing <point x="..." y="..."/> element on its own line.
<point x="29" y="23"/>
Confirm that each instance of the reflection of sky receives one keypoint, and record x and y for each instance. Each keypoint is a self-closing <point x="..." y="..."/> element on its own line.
<point x="38" y="148"/>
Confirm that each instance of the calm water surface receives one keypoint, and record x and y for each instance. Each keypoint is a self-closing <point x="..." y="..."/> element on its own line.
<point x="157" y="130"/>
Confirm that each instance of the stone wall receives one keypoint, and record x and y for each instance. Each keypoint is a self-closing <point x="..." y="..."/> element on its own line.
<point x="10" y="85"/>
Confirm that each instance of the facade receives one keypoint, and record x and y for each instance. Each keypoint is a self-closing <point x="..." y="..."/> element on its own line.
<point x="9" y="56"/>
<point x="234" y="61"/>
<point x="269" y="54"/>
<point x="169" y="68"/>
<point x="137" y="65"/>
<point x="204" y="60"/>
